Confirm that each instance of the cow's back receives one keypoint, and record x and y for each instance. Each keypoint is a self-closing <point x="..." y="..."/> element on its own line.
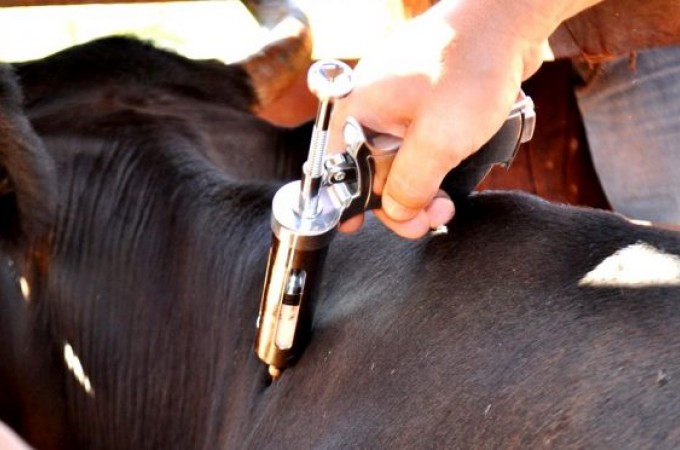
<point x="489" y="337"/>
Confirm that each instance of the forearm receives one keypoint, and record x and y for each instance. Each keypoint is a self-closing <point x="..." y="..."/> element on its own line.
<point x="618" y="27"/>
<point x="594" y="29"/>
<point x="521" y="26"/>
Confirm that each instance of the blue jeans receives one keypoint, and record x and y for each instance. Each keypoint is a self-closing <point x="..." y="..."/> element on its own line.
<point x="631" y="113"/>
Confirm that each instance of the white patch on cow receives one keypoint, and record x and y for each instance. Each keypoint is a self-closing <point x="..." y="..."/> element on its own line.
<point x="25" y="289"/>
<point x="638" y="265"/>
<point x="76" y="368"/>
<point x="643" y="223"/>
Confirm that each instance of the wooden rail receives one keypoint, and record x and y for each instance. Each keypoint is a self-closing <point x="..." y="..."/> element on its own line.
<point x="411" y="7"/>
<point x="4" y="3"/>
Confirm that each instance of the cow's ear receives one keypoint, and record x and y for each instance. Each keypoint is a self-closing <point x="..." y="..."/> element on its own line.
<point x="27" y="177"/>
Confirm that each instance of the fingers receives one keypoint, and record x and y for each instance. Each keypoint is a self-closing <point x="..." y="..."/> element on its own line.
<point x="414" y="228"/>
<point x="454" y="121"/>
<point x="418" y="170"/>
<point x="439" y="212"/>
<point x="352" y="224"/>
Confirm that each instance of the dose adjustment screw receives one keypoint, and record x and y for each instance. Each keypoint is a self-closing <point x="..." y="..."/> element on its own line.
<point x="329" y="79"/>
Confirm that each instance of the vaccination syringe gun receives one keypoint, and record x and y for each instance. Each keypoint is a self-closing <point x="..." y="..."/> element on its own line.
<point x="333" y="188"/>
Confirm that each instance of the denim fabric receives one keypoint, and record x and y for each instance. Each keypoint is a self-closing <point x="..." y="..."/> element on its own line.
<point x="631" y="111"/>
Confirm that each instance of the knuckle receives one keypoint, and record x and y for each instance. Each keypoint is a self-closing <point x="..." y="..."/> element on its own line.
<point x="410" y="189"/>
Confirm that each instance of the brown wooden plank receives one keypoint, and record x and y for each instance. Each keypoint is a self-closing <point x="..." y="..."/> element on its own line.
<point x="4" y="3"/>
<point x="556" y="164"/>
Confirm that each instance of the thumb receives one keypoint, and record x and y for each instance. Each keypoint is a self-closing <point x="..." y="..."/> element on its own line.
<point x="418" y="170"/>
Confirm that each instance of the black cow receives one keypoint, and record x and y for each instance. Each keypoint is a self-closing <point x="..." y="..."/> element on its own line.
<point x="135" y="246"/>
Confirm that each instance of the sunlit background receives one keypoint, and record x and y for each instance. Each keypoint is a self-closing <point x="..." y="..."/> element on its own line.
<point x="221" y="29"/>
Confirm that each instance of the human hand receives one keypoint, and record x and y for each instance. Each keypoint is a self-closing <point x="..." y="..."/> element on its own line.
<point x="9" y="440"/>
<point x="445" y="83"/>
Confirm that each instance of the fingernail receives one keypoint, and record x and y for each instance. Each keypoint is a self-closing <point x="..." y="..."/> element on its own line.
<point x="440" y="211"/>
<point x="395" y="210"/>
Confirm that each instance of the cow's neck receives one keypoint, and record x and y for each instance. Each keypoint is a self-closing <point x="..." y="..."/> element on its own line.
<point x="158" y="297"/>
